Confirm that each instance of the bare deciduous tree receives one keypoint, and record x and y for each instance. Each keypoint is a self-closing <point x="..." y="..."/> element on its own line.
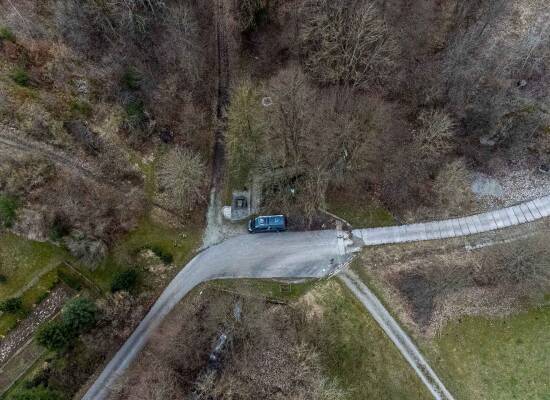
<point x="130" y="15"/>
<point x="452" y="187"/>
<point x="181" y="178"/>
<point x="182" y="45"/>
<point x="249" y="13"/>
<point x="434" y="136"/>
<point x="346" y="42"/>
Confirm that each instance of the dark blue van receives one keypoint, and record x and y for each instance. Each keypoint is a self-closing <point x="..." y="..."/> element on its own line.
<point x="268" y="223"/>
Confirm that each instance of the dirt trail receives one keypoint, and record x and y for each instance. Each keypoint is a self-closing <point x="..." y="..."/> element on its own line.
<point x="214" y="219"/>
<point x="9" y="138"/>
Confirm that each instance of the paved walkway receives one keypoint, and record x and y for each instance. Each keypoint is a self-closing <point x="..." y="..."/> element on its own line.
<point x="450" y="228"/>
<point x="401" y="340"/>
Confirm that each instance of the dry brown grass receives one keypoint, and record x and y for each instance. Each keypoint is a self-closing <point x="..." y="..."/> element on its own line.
<point x="429" y="284"/>
<point x="264" y="358"/>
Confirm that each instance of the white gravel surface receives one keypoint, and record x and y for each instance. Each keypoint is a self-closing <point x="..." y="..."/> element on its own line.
<point x="26" y="328"/>
<point x="512" y="187"/>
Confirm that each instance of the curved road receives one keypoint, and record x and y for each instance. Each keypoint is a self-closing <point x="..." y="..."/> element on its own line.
<point x="275" y="255"/>
<point x="299" y="255"/>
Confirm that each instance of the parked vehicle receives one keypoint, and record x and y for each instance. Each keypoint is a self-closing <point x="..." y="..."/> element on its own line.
<point x="267" y="223"/>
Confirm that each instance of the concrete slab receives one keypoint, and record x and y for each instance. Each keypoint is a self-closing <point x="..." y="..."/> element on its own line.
<point x="456" y="227"/>
<point x="464" y="225"/>
<point x="528" y="215"/>
<point x="487" y="222"/>
<point x="433" y="230"/>
<point x="543" y="205"/>
<point x="498" y="219"/>
<point x="449" y="228"/>
<point x="519" y="214"/>
<point x="477" y="223"/>
<point x="504" y="218"/>
<point x="473" y="224"/>
<point x="511" y="216"/>
<point x="534" y="210"/>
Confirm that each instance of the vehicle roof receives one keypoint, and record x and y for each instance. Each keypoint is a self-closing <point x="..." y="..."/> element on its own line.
<point x="270" y="219"/>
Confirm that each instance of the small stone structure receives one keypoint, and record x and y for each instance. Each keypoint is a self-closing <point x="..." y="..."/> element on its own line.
<point x="240" y="205"/>
<point x="244" y="203"/>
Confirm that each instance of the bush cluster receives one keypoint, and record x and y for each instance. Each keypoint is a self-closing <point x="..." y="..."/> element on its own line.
<point x="125" y="280"/>
<point x="6" y="34"/>
<point x="131" y="79"/>
<point x="36" y="393"/>
<point x="70" y="280"/>
<point x="12" y="306"/>
<point x="20" y="76"/>
<point x="164" y="256"/>
<point x="78" y="317"/>
<point x="8" y="210"/>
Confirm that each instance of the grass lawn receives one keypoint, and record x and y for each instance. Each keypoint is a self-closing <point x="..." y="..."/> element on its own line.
<point x="506" y="358"/>
<point x="21" y="260"/>
<point x="356" y="352"/>
<point x="179" y="243"/>
<point x="359" y="211"/>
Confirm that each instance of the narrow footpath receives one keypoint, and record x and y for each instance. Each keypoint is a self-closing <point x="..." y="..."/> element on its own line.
<point x="213" y="232"/>
<point x="397" y="335"/>
<point x="456" y="227"/>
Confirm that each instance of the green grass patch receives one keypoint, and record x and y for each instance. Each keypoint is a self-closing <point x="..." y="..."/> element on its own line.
<point x="180" y="244"/>
<point x="504" y="358"/>
<point x="125" y="280"/>
<point x="8" y="211"/>
<point x="20" y="76"/>
<point x="11" y="305"/>
<point x="80" y="108"/>
<point x="360" y="211"/>
<point x="22" y="259"/>
<point x="354" y="350"/>
<point x="8" y="322"/>
<point x="70" y="278"/>
<point x="165" y="256"/>
<point x="135" y="112"/>
<point x="149" y="172"/>
<point x="6" y="34"/>
<point x="357" y="353"/>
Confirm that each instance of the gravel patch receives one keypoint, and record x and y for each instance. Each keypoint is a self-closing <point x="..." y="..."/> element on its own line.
<point x="509" y="188"/>
<point x="26" y="328"/>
